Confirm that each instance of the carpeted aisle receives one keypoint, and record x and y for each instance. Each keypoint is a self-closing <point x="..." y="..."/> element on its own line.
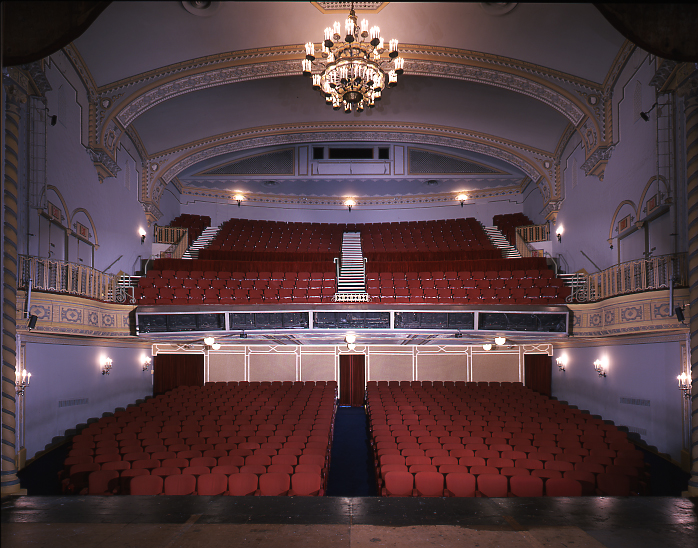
<point x="351" y="467"/>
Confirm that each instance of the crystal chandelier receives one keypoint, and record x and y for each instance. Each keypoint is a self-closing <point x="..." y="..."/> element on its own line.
<point x="353" y="73"/>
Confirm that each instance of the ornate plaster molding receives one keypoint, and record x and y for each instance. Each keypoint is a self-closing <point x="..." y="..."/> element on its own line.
<point x="536" y="164"/>
<point x="106" y="166"/>
<point x="595" y="164"/>
<point x="38" y="76"/>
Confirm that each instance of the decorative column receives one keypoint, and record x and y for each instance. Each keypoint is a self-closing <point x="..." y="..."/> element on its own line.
<point x="689" y="91"/>
<point x="13" y="97"/>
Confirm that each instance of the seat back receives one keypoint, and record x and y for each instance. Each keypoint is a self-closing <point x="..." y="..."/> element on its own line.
<point x="145" y="485"/>
<point x="180" y="484"/>
<point x="460" y="484"/>
<point x="274" y="484"/>
<point x="429" y="484"/>
<point x="242" y="484"/>
<point x="563" y="487"/>
<point x="492" y="485"/>
<point x="306" y="483"/>
<point x="398" y="484"/>
<point x="101" y="482"/>
<point x="526" y="486"/>
<point x="212" y="484"/>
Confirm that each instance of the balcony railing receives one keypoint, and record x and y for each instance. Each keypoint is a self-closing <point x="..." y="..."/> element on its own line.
<point x="71" y="278"/>
<point x="635" y="276"/>
<point x="534" y="233"/>
<point x="168" y="234"/>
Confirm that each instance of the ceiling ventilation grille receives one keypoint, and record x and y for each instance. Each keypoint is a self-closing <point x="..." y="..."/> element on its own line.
<point x="424" y="162"/>
<point x="279" y="162"/>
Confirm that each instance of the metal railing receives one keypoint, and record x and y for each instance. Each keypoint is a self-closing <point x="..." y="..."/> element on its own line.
<point x="635" y="276"/>
<point x="65" y="277"/>
<point x="526" y="250"/>
<point x="168" y="234"/>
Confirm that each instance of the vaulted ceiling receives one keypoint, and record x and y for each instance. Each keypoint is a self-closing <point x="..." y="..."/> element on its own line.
<point x="202" y="84"/>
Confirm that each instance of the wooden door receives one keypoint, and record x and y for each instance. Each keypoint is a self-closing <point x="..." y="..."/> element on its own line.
<point x="538" y="372"/>
<point x="352" y="379"/>
<point x="173" y="370"/>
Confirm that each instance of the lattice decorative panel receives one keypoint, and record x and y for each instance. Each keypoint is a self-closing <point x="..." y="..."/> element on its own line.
<point x="279" y="162"/>
<point x="425" y="162"/>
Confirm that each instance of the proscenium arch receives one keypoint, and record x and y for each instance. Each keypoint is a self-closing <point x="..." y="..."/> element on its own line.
<point x="615" y="215"/>
<point x="536" y="82"/>
<point x="177" y="160"/>
<point x="89" y="218"/>
<point x="652" y="179"/>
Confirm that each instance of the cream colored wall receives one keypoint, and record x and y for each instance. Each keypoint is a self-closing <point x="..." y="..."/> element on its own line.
<point x="383" y="363"/>
<point x="495" y="366"/>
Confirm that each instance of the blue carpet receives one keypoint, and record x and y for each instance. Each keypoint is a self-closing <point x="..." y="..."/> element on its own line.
<point x="351" y="466"/>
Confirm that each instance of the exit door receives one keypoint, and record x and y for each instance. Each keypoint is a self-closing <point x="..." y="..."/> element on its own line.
<point x="352" y="379"/>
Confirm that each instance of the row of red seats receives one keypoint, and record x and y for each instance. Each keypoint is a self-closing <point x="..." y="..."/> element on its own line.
<point x="110" y="482"/>
<point x="194" y="223"/>
<point x="212" y="275"/>
<point x="165" y="296"/>
<point x="461" y="484"/>
<point x="491" y="275"/>
<point x="516" y="296"/>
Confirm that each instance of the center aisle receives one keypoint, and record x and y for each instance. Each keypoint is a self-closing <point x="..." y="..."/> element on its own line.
<point x="351" y="469"/>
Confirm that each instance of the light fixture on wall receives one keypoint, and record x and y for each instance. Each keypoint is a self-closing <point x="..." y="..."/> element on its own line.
<point x="352" y="72"/>
<point x="349" y="203"/>
<point x="646" y="115"/>
<point x="211" y="343"/>
<point x="142" y="233"/>
<point x="558" y="232"/>
<point x="243" y="335"/>
<point x="22" y="380"/>
<point x="106" y="364"/>
<point x="145" y="362"/>
<point x="462" y="197"/>
<point x="239" y="198"/>
<point x="500" y="341"/>
<point x="601" y="366"/>
<point x="350" y="339"/>
<point x="31" y="324"/>
<point x="679" y="314"/>
<point x="561" y="362"/>
<point x="685" y="384"/>
<point x="487" y="347"/>
<point x="458" y="335"/>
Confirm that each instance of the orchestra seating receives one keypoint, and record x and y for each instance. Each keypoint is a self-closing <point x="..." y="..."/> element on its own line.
<point x="494" y="439"/>
<point x="236" y="438"/>
<point x="416" y="262"/>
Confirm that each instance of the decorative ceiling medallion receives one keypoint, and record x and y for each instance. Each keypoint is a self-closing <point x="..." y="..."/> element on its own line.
<point x="329" y="7"/>
<point x="201" y="8"/>
<point x="498" y="8"/>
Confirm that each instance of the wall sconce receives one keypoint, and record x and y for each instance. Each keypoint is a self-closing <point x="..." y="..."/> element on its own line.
<point x="22" y="380"/>
<point x="685" y="384"/>
<point x="239" y="198"/>
<point x="600" y="366"/>
<point x="559" y="232"/>
<point x="106" y="364"/>
<point x="145" y="362"/>
<point x="350" y="339"/>
<point x="499" y="341"/>
<point x="562" y="362"/>
<point x="487" y="347"/>
<point x="462" y="198"/>
<point x="349" y="203"/>
<point x="211" y="343"/>
<point x="142" y="234"/>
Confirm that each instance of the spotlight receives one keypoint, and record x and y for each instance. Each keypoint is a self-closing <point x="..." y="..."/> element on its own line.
<point x="646" y="115"/>
<point x="32" y="322"/>
<point x="243" y="335"/>
<point x="679" y="314"/>
<point x="459" y="335"/>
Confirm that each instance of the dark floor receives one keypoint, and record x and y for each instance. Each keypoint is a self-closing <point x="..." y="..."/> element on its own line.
<point x="351" y="464"/>
<point x="637" y="522"/>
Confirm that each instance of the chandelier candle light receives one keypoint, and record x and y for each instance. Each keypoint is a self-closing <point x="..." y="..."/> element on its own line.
<point x="353" y="71"/>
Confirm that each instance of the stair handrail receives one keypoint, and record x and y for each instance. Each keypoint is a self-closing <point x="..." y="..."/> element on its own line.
<point x="177" y="249"/>
<point x="524" y="248"/>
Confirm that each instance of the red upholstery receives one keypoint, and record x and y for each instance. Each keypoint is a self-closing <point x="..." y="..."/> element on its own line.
<point x="242" y="484"/>
<point x="179" y="484"/>
<point x="146" y="485"/>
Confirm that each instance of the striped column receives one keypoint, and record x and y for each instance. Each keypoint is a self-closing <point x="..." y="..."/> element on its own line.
<point x="691" y="112"/>
<point x="13" y="99"/>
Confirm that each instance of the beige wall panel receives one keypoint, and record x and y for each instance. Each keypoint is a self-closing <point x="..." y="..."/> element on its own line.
<point x="442" y="367"/>
<point x="384" y="367"/>
<point x="317" y="367"/>
<point x="272" y="367"/>
<point x="226" y="367"/>
<point x="495" y="367"/>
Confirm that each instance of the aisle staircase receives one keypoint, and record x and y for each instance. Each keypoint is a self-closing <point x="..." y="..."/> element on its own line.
<point x="501" y="243"/>
<point x="201" y="242"/>
<point x="351" y="282"/>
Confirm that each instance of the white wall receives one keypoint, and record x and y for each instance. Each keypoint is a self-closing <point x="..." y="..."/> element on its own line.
<point x="72" y="372"/>
<point x="639" y="372"/>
